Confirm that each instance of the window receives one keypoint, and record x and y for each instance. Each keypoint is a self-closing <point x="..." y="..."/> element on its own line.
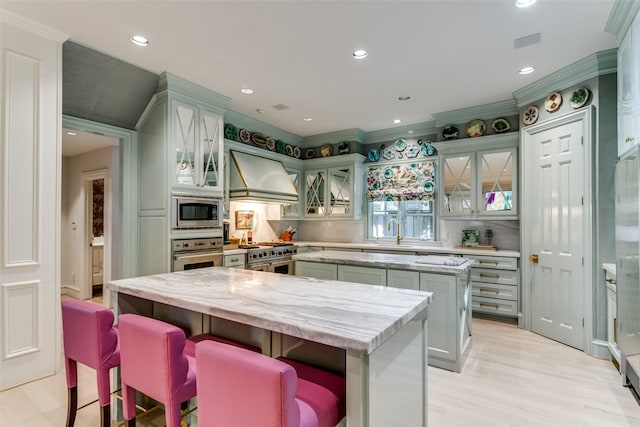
<point x="403" y="195"/>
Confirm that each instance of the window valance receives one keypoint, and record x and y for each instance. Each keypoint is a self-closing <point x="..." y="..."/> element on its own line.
<point x="410" y="181"/>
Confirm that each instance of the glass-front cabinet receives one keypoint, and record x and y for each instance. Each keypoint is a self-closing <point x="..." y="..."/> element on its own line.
<point x="481" y="183"/>
<point x="198" y="141"/>
<point x="292" y="210"/>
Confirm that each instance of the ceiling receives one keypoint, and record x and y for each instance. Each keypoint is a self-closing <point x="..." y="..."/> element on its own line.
<point x="445" y="55"/>
<point x="75" y="142"/>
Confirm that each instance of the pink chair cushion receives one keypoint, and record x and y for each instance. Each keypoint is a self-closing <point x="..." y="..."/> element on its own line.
<point x="325" y="391"/>
<point x="153" y="361"/>
<point x="241" y="388"/>
<point x="90" y="338"/>
<point x="190" y="345"/>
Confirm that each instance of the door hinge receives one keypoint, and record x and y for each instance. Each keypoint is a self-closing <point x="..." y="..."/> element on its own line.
<point x="583" y="322"/>
<point x="582" y="140"/>
<point x="582" y="200"/>
<point x="583" y="261"/>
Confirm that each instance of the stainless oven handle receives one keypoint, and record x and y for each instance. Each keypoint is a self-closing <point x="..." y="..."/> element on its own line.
<point x="181" y="257"/>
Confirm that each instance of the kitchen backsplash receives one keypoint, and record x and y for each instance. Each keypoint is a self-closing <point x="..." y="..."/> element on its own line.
<point x="506" y="234"/>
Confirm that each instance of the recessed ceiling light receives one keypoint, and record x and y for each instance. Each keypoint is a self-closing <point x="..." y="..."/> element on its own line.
<point x="525" y="3"/>
<point x="71" y="133"/>
<point x="409" y="131"/>
<point x="404" y="98"/>
<point x="360" y="54"/>
<point x="396" y="121"/>
<point x="527" y="70"/>
<point x="140" y="40"/>
<point x="307" y="119"/>
<point x="246" y="91"/>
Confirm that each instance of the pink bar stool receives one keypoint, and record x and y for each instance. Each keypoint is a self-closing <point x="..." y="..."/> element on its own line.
<point x="241" y="388"/>
<point x="153" y="362"/>
<point x="89" y="338"/>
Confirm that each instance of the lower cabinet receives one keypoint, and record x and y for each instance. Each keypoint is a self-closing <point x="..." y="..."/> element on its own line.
<point x="366" y="275"/>
<point x="234" y="260"/>
<point x="496" y="289"/>
<point x="403" y="279"/>
<point x="318" y="270"/>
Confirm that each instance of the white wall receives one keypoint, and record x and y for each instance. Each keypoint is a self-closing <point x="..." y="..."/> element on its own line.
<point x="73" y="221"/>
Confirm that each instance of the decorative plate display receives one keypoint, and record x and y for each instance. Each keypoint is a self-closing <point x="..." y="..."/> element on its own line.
<point x="500" y="125"/>
<point x="428" y="149"/>
<point x="553" y="102"/>
<point x="400" y="145"/>
<point x="374" y="155"/>
<point x="450" y="132"/>
<point x="289" y="150"/>
<point x="259" y="139"/>
<point x="579" y="97"/>
<point x="230" y="132"/>
<point x="326" y="150"/>
<point x="344" y="148"/>
<point x="279" y="146"/>
<point x="389" y="153"/>
<point x="412" y="151"/>
<point x="271" y="143"/>
<point x="245" y="136"/>
<point x="476" y="128"/>
<point x="530" y="115"/>
<point x="310" y="153"/>
<point x="296" y="152"/>
<point x="428" y="187"/>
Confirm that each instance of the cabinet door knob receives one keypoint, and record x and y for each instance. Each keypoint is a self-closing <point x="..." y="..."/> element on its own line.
<point x="533" y="258"/>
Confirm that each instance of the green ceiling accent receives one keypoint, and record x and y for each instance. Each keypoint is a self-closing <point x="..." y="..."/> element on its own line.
<point x="621" y="17"/>
<point x="353" y="134"/>
<point x="485" y="112"/>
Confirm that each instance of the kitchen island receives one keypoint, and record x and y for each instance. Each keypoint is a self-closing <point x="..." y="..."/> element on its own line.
<point x="447" y="277"/>
<point x="382" y="331"/>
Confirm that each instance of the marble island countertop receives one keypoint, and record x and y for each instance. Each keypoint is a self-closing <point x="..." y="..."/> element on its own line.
<point x="424" y="263"/>
<point x="346" y="315"/>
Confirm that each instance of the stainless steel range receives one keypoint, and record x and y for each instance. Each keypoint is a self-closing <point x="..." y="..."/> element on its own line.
<point x="273" y="257"/>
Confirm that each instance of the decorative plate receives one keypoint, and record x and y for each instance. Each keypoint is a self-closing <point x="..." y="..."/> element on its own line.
<point x="279" y="146"/>
<point x="310" y="153"/>
<point x="388" y="173"/>
<point x="374" y="155"/>
<point x="476" y="128"/>
<point x="245" y="136"/>
<point x="400" y="144"/>
<point x="412" y="151"/>
<point x="428" y="149"/>
<point x="271" y="143"/>
<point x="289" y="150"/>
<point x="296" y="152"/>
<point x="428" y="187"/>
<point x="530" y="115"/>
<point x="389" y="153"/>
<point x="230" y="132"/>
<point x="450" y="132"/>
<point x="500" y="125"/>
<point x="259" y="139"/>
<point x="579" y="97"/>
<point x="344" y="147"/>
<point x="326" y="150"/>
<point x="553" y="102"/>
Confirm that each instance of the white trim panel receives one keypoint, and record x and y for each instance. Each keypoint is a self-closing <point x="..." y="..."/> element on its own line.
<point x="20" y="318"/>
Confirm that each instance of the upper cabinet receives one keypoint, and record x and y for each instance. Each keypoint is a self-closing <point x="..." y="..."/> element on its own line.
<point x="629" y="89"/>
<point x="293" y="210"/>
<point x="333" y="187"/>
<point x="198" y="149"/>
<point x="482" y="182"/>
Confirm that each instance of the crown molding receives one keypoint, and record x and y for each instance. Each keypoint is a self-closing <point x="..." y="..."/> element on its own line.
<point x="486" y="111"/>
<point x="600" y="63"/>
<point x="172" y="83"/>
<point x="417" y="130"/>
<point x="245" y="122"/>
<point x="10" y="18"/>
<point x="353" y="134"/>
<point x="621" y="17"/>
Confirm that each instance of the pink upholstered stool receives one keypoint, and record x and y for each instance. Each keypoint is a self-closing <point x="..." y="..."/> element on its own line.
<point x="153" y="362"/>
<point x="324" y="391"/>
<point x="89" y="338"/>
<point x="190" y="346"/>
<point x="241" y="388"/>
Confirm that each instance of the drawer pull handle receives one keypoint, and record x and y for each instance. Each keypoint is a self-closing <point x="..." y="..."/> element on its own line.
<point x="488" y="262"/>
<point x="497" y="291"/>
<point x="234" y="259"/>
<point x="492" y="276"/>
<point x="612" y="281"/>
<point x="496" y="306"/>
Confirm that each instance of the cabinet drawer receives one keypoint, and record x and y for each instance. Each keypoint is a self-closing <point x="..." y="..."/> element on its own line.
<point x="495" y="291"/>
<point x="486" y="261"/>
<point x="488" y="275"/>
<point x="236" y="260"/>
<point x="366" y="275"/>
<point x="494" y="306"/>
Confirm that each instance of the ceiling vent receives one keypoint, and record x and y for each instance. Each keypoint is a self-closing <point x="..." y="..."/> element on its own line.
<point x="528" y="40"/>
<point x="280" y="107"/>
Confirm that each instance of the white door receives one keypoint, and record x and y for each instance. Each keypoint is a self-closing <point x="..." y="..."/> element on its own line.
<point x="30" y="162"/>
<point x="554" y="191"/>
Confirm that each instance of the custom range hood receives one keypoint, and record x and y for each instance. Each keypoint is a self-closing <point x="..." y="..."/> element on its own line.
<point x="258" y="179"/>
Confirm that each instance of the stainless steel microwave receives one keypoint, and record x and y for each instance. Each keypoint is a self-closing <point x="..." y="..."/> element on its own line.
<point x="195" y="212"/>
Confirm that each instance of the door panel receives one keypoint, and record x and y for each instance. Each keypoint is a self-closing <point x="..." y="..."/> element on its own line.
<point x="555" y="190"/>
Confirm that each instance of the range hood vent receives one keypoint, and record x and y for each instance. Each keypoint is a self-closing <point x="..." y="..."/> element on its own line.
<point x="259" y="179"/>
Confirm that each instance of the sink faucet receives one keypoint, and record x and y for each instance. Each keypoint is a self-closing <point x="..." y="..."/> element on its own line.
<point x="398" y="237"/>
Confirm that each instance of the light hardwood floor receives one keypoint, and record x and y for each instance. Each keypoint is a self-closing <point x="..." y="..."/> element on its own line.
<point x="512" y="378"/>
